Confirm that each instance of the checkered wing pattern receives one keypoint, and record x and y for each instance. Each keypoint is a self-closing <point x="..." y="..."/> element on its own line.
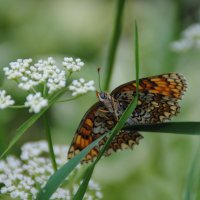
<point x="158" y="102"/>
<point x="158" y="97"/>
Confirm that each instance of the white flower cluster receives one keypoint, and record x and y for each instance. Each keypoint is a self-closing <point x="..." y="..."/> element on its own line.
<point x="36" y="102"/>
<point x="73" y="65"/>
<point x="190" y="39"/>
<point x="43" y="75"/>
<point x="5" y="100"/>
<point x="22" y="179"/>
<point x="79" y="87"/>
<point x="44" y="71"/>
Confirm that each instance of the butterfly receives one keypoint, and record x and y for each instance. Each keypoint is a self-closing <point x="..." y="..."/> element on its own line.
<point x="157" y="102"/>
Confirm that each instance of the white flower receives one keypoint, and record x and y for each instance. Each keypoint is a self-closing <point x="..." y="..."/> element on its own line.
<point x="5" y="100"/>
<point x="27" y="85"/>
<point x="36" y="102"/>
<point x="56" y="81"/>
<point x="190" y="38"/>
<point x="46" y="70"/>
<point x="44" y="76"/>
<point x="181" y="45"/>
<point x="43" y="72"/>
<point x="22" y="179"/>
<point x="62" y="194"/>
<point x="17" y="69"/>
<point x="79" y="87"/>
<point x="73" y="65"/>
<point x="193" y="32"/>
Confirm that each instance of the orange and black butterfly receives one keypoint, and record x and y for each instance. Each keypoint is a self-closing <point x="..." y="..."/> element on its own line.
<point x="157" y="102"/>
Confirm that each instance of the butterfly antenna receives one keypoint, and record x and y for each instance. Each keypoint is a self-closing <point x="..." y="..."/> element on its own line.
<point x="99" y="78"/>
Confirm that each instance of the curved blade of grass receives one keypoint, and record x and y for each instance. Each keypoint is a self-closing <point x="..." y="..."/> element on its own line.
<point x="131" y="107"/>
<point x="28" y="123"/>
<point x="188" y="128"/>
<point x="60" y="175"/>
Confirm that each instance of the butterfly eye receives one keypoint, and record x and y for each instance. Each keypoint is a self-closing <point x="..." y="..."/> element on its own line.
<point x="103" y="95"/>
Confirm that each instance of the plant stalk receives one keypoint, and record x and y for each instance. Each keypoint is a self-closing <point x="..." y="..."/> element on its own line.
<point x="113" y="44"/>
<point x="49" y="140"/>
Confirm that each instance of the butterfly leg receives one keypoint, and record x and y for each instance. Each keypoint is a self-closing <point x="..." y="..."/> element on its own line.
<point x="104" y="111"/>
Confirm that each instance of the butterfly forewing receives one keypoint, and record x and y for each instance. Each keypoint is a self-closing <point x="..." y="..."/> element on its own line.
<point x="158" y="102"/>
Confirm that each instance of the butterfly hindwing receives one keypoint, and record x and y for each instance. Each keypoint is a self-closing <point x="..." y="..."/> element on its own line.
<point x="95" y="123"/>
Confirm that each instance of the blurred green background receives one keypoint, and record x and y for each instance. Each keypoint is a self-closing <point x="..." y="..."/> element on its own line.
<point x="158" y="167"/>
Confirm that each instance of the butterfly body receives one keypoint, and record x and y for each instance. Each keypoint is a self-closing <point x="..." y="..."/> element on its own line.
<point x="112" y="105"/>
<point x="157" y="102"/>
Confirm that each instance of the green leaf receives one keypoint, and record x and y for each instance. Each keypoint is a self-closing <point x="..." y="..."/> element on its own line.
<point x="59" y="176"/>
<point x="28" y="123"/>
<point x="188" y="128"/>
<point x="131" y="107"/>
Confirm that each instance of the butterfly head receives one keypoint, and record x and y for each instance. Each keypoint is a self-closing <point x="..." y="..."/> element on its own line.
<point x="104" y="97"/>
<point x="109" y="102"/>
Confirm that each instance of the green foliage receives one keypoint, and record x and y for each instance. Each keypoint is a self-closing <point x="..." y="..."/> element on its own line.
<point x="158" y="166"/>
<point x="60" y="175"/>
<point x="28" y="123"/>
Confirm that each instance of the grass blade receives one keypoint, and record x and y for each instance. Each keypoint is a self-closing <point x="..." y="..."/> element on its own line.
<point x="131" y="107"/>
<point x="188" y="128"/>
<point x="113" y="43"/>
<point x="59" y="176"/>
<point x="28" y="123"/>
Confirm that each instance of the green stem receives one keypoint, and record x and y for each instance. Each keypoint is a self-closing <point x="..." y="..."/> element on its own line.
<point x="69" y="99"/>
<point x="113" y="43"/>
<point x="20" y="106"/>
<point x="49" y="140"/>
<point x="45" y="89"/>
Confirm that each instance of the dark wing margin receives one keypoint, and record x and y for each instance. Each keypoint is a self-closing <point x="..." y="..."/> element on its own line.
<point x="172" y="85"/>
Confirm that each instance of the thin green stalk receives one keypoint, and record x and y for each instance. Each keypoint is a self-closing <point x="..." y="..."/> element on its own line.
<point x="113" y="43"/>
<point x="49" y="140"/>
<point x="19" y="106"/>
<point x="69" y="99"/>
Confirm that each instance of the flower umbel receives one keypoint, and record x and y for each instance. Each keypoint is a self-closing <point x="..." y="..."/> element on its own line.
<point x="190" y="39"/>
<point x="79" y="87"/>
<point x="42" y="79"/>
<point x="73" y="65"/>
<point x="24" y="178"/>
<point x="44" y="71"/>
<point x="5" y="100"/>
<point x="17" y="69"/>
